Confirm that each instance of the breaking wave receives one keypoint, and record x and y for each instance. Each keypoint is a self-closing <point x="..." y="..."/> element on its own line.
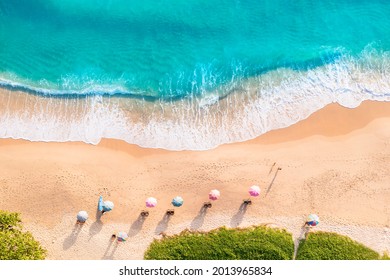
<point x="237" y="111"/>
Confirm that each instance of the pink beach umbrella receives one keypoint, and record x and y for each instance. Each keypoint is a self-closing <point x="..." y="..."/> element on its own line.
<point x="214" y="195"/>
<point x="151" y="202"/>
<point x="254" y="191"/>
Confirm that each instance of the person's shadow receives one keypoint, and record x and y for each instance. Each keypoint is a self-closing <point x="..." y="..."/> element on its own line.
<point x="163" y="224"/>
<point x="71" y="239"/>
<point x="97" y="226"/>
<point x="136" y="226"/>
<point x="239" y="216"/>
<point x="198" y="221"/>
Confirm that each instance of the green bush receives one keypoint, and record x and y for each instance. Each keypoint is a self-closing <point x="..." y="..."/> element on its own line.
<point x="332" y="246"/>
<point x="254" y="243"/>
<point x="9" y="221"/>
<point x="15" y="244"/>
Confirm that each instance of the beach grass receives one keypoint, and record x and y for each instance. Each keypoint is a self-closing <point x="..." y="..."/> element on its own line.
<point x="332" y="246"/>
<point x="253" y="243"/>
<point x="16" y="244"/>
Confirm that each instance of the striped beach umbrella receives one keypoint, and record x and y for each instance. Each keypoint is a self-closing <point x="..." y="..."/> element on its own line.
<point x="82" y="216"/>
<point x="151" y="202"/>
<point x="254" y="191"/>
<point x="214" y="194"/>
<point x="313" y="220"/>
<point x="177" y="201"/>
<point x="122" y="236"/>
<point x="108" y="206"/>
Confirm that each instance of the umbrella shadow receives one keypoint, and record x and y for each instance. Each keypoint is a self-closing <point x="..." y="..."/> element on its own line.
<point x="111" y="249"/>
<point x="272" y="167"/>
<point x="163" y="224"/>
<point x="71" y="239"/>
<point x="97" y="226"/>
<point x="239" y="216"/>
<point x="304" y="231"/>
<point x="198" y="221"/>
<point x="273" y="180"/>
<point x="302" y="235"/>
<point x="136" y="226"/>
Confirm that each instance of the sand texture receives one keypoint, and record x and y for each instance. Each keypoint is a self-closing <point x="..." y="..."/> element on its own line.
<point x="335" y="164"/>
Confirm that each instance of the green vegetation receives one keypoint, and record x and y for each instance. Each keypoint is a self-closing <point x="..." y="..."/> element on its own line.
<point x="385" y="256"/>
<point x="332" y="246"/>
<point x="252" y="243"/>
<point x="15" y="244"/>
<point x="258" y="243"/>
<point x="9" y="221"/>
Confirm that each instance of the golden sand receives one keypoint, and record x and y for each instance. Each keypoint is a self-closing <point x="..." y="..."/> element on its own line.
<point x="335" y="164"/>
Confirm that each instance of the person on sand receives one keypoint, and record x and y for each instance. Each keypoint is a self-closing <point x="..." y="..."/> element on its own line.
<point x="144" y="213"/>
<point x="207" y="205"/>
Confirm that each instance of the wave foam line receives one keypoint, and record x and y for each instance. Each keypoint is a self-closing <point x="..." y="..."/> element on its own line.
<point x="236" y="112"/>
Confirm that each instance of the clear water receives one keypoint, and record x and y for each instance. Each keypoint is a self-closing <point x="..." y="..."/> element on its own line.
<point x="171" y="50"/>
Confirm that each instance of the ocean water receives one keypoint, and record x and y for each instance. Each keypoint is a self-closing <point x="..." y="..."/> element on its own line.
<point x="181" y="74"/>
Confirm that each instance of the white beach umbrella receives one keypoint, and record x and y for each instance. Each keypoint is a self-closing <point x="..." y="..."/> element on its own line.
<point x="82" y="216"/>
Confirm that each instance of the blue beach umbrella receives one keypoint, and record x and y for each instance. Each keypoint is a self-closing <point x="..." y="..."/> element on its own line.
<point x="177" y="201"/>
<point x="108" y="206"/>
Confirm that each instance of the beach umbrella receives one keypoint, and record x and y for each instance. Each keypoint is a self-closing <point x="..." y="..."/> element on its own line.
<point x="177" y="201"/>
<point x="214" y="194"/>
<point x="108" y="206"/>
<point x="151" y="202"/>
<point x="122" y="236"/>
<point x="313" y="220"/>
<point x="82" y="216"/>
<point x="254" y="191"/>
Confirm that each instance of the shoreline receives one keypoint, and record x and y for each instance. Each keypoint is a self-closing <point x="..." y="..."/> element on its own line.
<point x="334" y="163"/>
<point x="229" y="114"/>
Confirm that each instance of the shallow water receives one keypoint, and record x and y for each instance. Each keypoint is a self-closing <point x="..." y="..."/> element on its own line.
<point x="184" y="74"/>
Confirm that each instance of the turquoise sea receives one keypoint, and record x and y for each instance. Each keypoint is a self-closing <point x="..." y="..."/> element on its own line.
<point x="185" y="74"/>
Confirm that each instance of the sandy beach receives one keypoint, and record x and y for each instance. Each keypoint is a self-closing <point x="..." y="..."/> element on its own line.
<point x="335" y="164"/>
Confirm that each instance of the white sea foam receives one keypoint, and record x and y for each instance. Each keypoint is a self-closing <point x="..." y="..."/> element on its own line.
<point x="273" y="100"/>
<point x="44" y="87"/>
